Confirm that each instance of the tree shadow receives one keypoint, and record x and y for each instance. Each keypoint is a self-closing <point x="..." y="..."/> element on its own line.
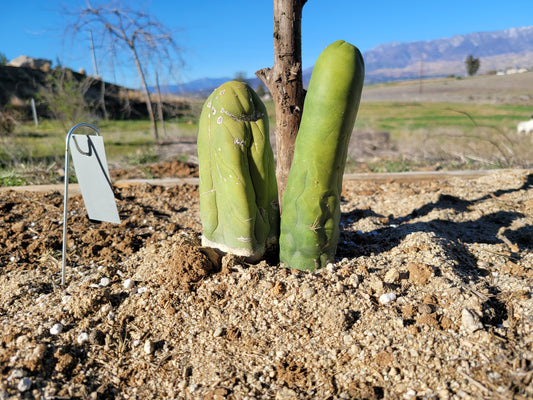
<point x="457" y="238"/>
<point x="458" y="235"/>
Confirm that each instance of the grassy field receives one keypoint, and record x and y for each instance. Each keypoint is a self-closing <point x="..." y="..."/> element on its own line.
<point x="422" y="135"/>
<point x="452" y="135"/>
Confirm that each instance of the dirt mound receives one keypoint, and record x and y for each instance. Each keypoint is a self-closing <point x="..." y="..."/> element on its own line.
<point x="430" y="297"/>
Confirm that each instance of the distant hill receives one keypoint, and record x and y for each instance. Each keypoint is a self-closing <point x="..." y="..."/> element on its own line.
<point x="442" y="57"/>
<point x="201" y="87"/>
<point x="497" y="50"/>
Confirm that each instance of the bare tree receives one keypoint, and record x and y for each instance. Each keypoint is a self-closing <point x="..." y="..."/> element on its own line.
<point x="284" y="80"/>
<point x="140" y="35"/>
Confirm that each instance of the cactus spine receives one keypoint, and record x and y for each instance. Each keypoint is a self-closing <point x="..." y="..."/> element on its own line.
<point x="311" y="201"/>
<point x="238" y="192"/>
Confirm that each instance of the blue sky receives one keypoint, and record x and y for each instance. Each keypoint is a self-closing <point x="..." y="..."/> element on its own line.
<point x="221" y="38"/>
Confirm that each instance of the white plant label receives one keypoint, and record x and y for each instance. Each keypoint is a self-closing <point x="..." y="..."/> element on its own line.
<point x="90" y="164"/>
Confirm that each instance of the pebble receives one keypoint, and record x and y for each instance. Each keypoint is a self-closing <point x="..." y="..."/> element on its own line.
<point x="56" y="329"/>
<point x="24" y="384"/>
<point x="386" y="298"/>
<point x="148" y="347"/>
<point x="129" y="284"/>
<point x="83" y="337"/>
<point x="106" y="308"/>
<point x="218" y="332"/>
<point x="470" y="321"/>
<point x="308" y="293"/>
<point x="425" y="309"/>
<point x="392" y="276"/>
<point x="104" y="281"/>
<point x="330" y="267"/>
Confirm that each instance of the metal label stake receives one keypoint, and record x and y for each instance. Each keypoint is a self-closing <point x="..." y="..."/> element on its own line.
<point x="90" y="165"/>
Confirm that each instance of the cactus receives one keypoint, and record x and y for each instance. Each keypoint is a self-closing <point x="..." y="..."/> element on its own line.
<point x="311" y="201"/>
<point x="238" y="191"/>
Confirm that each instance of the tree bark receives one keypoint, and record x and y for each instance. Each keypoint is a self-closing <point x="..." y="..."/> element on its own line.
<point x="149" y="105"/>
<point x="284" y="80"/>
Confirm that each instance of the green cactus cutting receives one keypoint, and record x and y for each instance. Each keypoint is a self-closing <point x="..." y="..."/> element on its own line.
<point x="238" y="191"/>
<point x="311" y="201"/>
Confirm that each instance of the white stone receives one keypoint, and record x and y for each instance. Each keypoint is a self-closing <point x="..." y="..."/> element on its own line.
<point x="386" y="298"/>
<point x="83" y="337"/>
<point x="24" y="384"/>
<point x="56" y="329"/>
<point x="470" y="321"/>
<point x="129" y="283"/>
<point x="148" y="347"/>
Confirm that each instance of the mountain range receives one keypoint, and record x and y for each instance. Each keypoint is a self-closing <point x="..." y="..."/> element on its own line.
<point x="497" y="50"/>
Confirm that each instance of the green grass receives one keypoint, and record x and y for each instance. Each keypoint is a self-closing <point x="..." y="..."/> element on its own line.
<point x="131" y="142"/>
<point x="449" y="135"/>
<point x="397" y="117"/>
<point x="446" y="134"/>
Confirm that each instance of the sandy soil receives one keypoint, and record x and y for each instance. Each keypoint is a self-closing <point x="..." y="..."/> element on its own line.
<point x="430" y="298"/>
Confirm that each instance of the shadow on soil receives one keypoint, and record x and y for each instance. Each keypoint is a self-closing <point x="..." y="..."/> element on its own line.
<point x="457" y="236"/>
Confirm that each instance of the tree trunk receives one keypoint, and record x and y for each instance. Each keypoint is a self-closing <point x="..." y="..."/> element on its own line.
<point x="284" y="80"/>
<point x="149" y="106"/>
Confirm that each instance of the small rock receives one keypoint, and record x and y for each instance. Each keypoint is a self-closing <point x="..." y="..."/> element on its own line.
<point x="470" y="321"/>
<point x="148" y="347"/>
<point x="347" y="339"/>
<point x="56" y="329"/>
<point x="218" y="332"/>
<point x="83" y="337"/>
<point x="425" y="308"/>
<point x="104" y="281"/>
<point x="392" y="276"/>
<point x="387" y="298"/>
<point x="24" y="384"/>
<point x="129" y="284"/>
<point x="106" y="308"/>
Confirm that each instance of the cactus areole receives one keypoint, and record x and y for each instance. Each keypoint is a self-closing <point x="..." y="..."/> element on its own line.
<point x="311" y="201"/>
<point x="238" y="192"/>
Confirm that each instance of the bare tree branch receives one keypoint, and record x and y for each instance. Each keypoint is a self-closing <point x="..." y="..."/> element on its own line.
<point x="136" y="34"/>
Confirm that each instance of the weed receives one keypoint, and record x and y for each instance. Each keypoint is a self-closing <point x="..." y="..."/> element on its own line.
<point x="143" y="156"/>
<point x="12" y="180"/>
